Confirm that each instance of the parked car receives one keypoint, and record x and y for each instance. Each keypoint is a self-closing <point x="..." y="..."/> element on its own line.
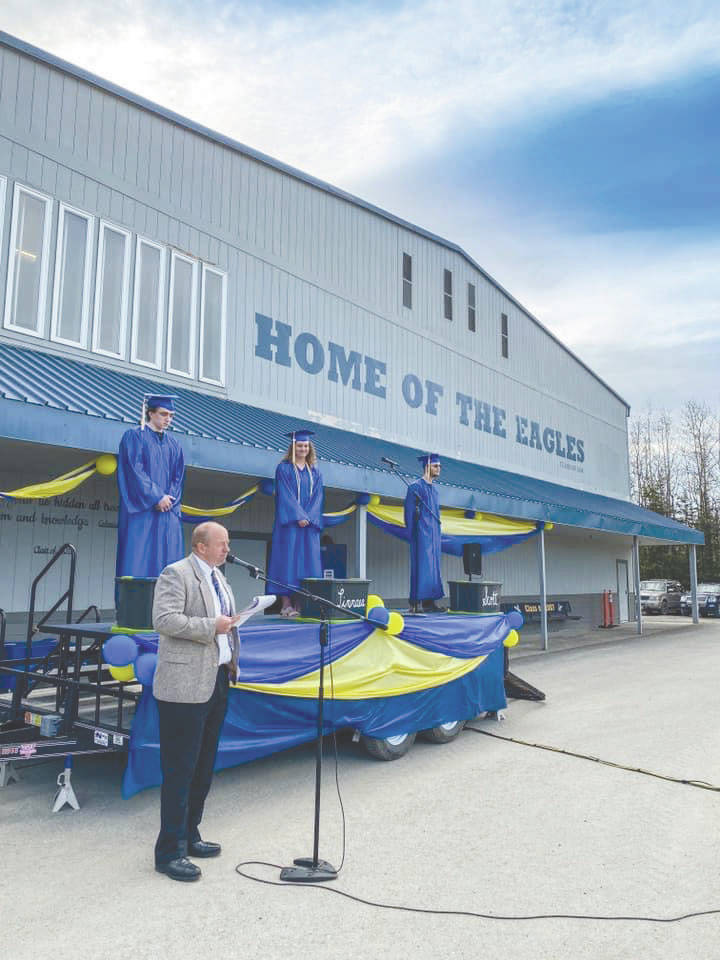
<point x="660" y="596"/>
<point x="708" y="595"/>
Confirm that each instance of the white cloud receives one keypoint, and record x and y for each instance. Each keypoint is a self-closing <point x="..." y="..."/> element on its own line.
<point x="344" y="90"/>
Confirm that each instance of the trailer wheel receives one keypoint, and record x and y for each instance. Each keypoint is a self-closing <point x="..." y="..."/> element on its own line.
<point x="443" y="733"/>
<point x="391" y="748"/>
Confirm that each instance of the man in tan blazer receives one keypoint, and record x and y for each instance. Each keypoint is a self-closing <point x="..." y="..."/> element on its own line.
<point x="193" y="612"/>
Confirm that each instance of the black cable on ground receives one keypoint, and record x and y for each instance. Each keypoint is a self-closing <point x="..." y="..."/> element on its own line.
<point x="458" y="913"/>
<point x="700" y="784"/>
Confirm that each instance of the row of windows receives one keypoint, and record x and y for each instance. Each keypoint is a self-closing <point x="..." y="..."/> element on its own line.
<point x="407" y="298"/>
<point x="193" y="290"/>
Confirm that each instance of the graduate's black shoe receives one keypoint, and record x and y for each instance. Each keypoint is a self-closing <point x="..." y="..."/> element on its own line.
<point x="433" y="607"/>
<point x="180" y="869"/>
<point x="203" y="848"/>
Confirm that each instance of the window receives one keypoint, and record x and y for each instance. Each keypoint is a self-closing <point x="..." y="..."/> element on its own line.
<point x="447" y="287"/>
<point x="407" y="280"/>
<point x="182" y="315"/>
<point x="471" y="307"/>
<point x="111" y="290"/>
<point x="504" y="335"/>
<point x="71" y="294"/>
<point x="148" y="302"/>
<point x="212" y="326"/>
<point x="28" y="262"/>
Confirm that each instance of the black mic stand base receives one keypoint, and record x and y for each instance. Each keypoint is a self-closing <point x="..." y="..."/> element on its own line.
<point x="306" y="870"/>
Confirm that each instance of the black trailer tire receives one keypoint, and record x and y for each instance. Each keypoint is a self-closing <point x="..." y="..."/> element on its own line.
<point x="392" y="748"/>
<point x="443" y="733"/>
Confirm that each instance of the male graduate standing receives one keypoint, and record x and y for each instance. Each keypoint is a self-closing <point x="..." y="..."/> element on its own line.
<point x="422" y="521"/>
<point x="151" y="471"/>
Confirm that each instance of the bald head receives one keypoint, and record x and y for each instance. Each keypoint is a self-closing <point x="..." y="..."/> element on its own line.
<point x="210" y="542"/>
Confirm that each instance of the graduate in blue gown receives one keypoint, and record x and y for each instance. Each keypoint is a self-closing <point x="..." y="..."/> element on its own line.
<point x="299" y="495"/>
<point x="422" y="521"/>
<point x="150" y="474"/>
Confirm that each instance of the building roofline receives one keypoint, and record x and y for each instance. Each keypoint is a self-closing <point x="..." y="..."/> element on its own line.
<point x="36" y="53"/>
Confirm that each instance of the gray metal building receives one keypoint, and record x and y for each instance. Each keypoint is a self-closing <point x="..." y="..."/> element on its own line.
<point x="140" y="249"/>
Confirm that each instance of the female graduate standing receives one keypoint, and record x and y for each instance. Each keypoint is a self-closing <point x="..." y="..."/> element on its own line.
<point x="299" y="495"/>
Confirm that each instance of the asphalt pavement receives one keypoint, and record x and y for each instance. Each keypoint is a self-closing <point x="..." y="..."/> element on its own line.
<point x="479" y="825"/>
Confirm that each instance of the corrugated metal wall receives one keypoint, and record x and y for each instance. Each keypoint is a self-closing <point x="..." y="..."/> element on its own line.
<point x="322" y="265"/>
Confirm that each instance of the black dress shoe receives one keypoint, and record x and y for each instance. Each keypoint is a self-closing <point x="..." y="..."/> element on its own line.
<point x="203" y="848"/>
<point x="433" y="608"/>
<point x="180" y="869"/>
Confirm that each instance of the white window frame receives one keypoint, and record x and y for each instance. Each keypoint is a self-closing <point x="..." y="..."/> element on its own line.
<point x="192" y="353"/>
<point x="223" y="324"/>
<point x="85" y="312"/>
<point x="106" y="225"/>
<point x="160" y="315"/>
<point x="3" y="192"/>
<point x="39" y="330"/>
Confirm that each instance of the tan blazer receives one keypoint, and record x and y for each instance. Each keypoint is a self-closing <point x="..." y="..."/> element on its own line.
<point x="188" y="652"/>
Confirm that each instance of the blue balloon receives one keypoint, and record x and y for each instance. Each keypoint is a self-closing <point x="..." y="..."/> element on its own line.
<point x="379" y="615"/>
<point x="145" y="668"/>
<point x="267" y="486"/>
<point x="469" y="514"/>
<point x="120" y="650"/>
<point x="362" y="499"/>
<point x="515" y="619"/>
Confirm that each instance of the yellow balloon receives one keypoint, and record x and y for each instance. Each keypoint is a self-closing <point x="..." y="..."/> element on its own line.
<point x="374" y="499"/>
<point x="106" y="464"/>
<point x="123" y="674"/>
<point x="373" y="600"/>
<point x="549" y="526"/>
<point x="512" y="639"/>
<point x="396" y="624"/>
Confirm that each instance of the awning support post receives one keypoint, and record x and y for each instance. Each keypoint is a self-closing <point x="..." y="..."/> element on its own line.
<point x="636" y="578"/>
<point x="361" y="542"/>
<point x="692" y="556"/>
<point x="543" y="590"/>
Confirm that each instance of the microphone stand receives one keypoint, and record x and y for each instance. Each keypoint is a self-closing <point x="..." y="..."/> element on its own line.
<point x="309" y="869"/>
<point x="419" y="502"/>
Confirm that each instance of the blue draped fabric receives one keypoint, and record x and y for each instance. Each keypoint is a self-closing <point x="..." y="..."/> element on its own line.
<point x="422" y="507"/>
<point x="295" y="550"/>
<point x="258" y="724"/>
<point x="150" y="464"/>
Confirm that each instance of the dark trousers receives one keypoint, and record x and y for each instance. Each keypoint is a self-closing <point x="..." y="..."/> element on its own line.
<point x="189" y="736"/>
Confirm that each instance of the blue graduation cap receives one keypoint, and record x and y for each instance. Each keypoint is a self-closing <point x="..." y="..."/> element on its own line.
<point x="165" y="400"/>
<point x="300" y="436"/>
<point x="428" y="458"/>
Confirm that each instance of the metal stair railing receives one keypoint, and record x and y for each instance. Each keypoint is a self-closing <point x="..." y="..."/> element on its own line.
<point x="21" y="684"/>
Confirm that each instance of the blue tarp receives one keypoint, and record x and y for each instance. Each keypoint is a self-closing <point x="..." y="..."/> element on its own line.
<point x="258" y="724"/>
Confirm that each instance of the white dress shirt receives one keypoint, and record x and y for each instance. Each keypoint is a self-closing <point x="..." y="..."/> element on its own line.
<point x="222" y="638"/>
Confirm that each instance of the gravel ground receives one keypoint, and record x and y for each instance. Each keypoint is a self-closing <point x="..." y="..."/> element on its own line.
<point x="478" y="825"/>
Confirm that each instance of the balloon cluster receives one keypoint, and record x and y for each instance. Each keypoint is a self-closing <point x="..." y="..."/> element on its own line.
<point x="514" y="620"/>
<point x="126" y="663"/>
<point x="378" y="614"/>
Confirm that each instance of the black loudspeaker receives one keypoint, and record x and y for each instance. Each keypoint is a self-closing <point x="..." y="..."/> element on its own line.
<point x="472" y="559"/>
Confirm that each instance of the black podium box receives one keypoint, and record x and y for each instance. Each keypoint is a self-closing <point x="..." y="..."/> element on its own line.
<point x="134" y="601"/>
<point x="474" y="596"/>
<point x="351" y="594"/>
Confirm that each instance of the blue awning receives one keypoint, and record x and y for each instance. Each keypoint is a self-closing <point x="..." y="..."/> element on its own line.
<point x="52" y="399"/>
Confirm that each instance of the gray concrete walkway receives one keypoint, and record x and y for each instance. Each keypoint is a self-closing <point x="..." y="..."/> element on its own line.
<point x="478" y="824"/>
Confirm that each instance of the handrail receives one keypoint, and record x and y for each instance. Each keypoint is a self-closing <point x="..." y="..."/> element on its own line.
<point x="86" y="612"/>
<point x="3" y="628"/>
<point x="22" y="683"/>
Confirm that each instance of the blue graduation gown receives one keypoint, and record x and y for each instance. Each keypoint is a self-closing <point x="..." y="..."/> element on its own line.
<point x="423" y="532"/>
<point x="150" y="464"/>
<point x="295" y="551"/>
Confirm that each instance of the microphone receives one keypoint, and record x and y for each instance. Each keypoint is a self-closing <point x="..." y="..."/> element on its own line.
<point x="388" y="461"/>
<point x="251" y="568"/>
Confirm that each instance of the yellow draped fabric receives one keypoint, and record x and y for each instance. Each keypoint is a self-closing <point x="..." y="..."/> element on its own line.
<point x="220" y="511"/>
<point x="381" y="666"/>
<point x="455" y="523"/>
<point x="56" y="487"/>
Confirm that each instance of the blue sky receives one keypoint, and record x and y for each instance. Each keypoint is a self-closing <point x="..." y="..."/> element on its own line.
<point x="570" y="147"/>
